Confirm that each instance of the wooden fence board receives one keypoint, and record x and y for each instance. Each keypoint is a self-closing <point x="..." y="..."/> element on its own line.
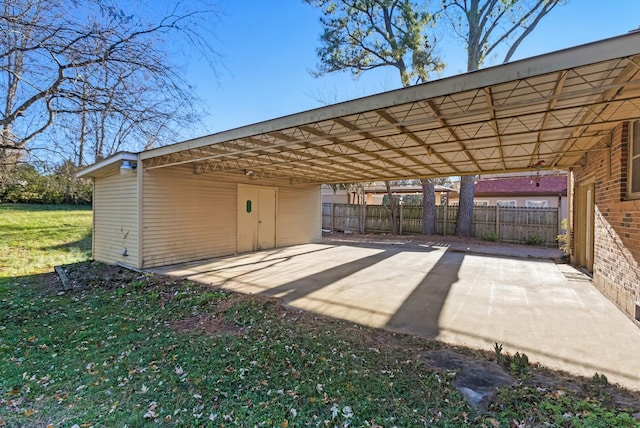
<point x="517" y="225"/>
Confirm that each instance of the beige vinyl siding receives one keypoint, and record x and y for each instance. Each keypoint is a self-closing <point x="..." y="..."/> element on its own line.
<point x="299" y="218"/>
<point x="189" y="216"/>
<point x="186" y="216"/>
<point x="115" y="212"/>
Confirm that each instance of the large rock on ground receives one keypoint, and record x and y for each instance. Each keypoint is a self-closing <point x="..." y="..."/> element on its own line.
<point x="476" y="380"/>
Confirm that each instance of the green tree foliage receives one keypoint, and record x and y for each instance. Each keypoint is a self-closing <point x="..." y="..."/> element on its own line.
<point x="361" y="35"/>
<point x="25" y="184"/>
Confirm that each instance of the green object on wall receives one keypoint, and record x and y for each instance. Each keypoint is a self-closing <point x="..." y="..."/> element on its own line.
<point x="248" y="205"/>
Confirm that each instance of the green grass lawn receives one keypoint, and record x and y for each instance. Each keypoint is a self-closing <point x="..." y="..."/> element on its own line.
<point x="128" y="349"/>
<point x="34" y="238"/>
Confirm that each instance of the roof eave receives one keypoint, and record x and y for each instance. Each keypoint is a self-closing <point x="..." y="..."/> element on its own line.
<point x="97" y="168"/>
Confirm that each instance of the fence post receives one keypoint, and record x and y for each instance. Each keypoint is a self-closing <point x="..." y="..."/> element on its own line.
<point x="498" y="222"/>
<point x="333" y="217"/>
<point x="444" y="219"/>
<point x="401" y="211"/>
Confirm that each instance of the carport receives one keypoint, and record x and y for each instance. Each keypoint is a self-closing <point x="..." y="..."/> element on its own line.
<point x="546" y="112"/>
<point x="569" y="110"/>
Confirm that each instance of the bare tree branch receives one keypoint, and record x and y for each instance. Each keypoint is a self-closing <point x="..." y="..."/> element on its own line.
<point x="484" y="25"/>
<point x="106" y="72"/>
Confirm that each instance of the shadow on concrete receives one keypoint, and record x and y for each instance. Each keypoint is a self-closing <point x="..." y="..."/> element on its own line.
<point x="420" y="312"/>
<point x="304" y="286"/>
<point x="271" y="258"/>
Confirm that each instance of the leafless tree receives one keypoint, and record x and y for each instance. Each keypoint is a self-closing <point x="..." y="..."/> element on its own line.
<point x="97" y="72"/>
<point x="486" y="25"/>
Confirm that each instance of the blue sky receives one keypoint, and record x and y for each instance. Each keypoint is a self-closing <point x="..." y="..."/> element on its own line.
<point x="267" y="48"/>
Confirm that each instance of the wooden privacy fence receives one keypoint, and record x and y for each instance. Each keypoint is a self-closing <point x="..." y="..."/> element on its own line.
<point x="537" y="226"/>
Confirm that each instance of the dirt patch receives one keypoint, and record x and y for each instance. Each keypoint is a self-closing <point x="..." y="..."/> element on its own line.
<point x="205" y="324"/>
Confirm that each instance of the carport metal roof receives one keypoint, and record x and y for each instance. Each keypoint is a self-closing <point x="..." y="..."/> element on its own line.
<point x="552" y="108"/>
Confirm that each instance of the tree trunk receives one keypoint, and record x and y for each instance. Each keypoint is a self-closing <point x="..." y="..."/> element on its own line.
<point x="465" y="209"/>
<point x="428" y="207"/>
<point x="363" y="213"/>
<point x="392" y="210"/>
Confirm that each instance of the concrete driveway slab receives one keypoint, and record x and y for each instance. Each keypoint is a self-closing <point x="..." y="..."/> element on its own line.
<point x="550" y="311"/>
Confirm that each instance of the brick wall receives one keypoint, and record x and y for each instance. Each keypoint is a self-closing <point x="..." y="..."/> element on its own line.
<point x="616" y="269"/>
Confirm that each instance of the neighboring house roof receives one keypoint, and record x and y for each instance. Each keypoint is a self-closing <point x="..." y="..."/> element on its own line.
<point x="397" y="189"/>
<point x="549" y="184"/>
<point x="406" y="189"/>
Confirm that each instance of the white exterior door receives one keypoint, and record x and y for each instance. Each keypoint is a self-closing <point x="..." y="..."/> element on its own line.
<point x="256" y="218"/>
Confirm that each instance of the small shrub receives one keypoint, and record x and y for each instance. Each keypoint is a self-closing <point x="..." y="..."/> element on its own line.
<point x="600" y="379"/>
<point x="517" y="365"/>
<point x="563" y="238"/>
<point x="497" y="350"/>
<point x="535" y="240"/>
<point x="490" y="236"/>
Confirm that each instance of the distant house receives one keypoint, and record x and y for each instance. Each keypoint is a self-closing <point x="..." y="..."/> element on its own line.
<point x="375" y="193"/>
<point x="546" y="191"/>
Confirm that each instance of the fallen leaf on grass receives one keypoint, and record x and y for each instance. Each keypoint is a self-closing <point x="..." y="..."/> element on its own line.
<point x="151" y="414"/>
<point x="493" y="422"/>
<point x="347" y="412"/>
